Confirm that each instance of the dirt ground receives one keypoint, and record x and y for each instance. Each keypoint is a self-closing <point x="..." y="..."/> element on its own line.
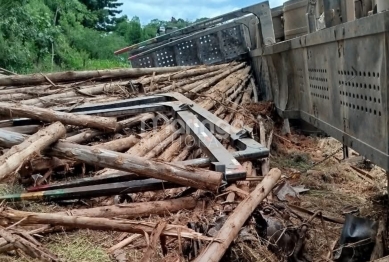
<point x="334" y="186"/>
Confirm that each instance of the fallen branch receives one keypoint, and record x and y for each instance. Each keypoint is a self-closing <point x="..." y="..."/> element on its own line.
<point x="130" y="226"/>
<point x="215" y="250"/>
<point x="326" y="218"/>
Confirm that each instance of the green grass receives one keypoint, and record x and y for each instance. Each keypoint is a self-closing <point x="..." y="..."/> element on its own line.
<point x="299" y="161"/>
<point x="104" y="64"/>
<point x="78" y="247"/>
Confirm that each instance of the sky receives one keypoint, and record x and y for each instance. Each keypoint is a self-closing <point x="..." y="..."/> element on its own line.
<point x="190" y="10"/>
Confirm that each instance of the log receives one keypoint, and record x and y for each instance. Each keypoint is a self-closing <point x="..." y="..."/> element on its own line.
<point x="136" y="210"/>
<point x="162" y="146"/>
<point x="130" y="226"/>
<point x="15" y="157"/>
<point x="136" y="119"/>
<point x="119" y="145"/>
<point x="175" y="147"/>
<point x="69" y="76"/>
<point x="214" y="94"/>
<point x="47" y="115"/>
<point x="215" y="250"/>
<point x="255" y="89"/>
<point x="145" y="145"/>
<point x="9" y="139"/>
<point x="237" y="89"/>
<point x="186" y="176"/>
<point x="94" y="90"/>
<point x="84" y="136"/>
<point x="28" y="130"/>
<point x="209" y="82"/>
<point x="15" y="96"/>
<point x="188" y="84"/>
<point x="182" y="74"/>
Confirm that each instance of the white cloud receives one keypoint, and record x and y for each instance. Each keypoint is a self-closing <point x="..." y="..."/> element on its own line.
<point x="147" y="10"/>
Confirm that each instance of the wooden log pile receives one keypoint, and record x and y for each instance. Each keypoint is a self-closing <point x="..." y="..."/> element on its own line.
<point x="60" y="144"/>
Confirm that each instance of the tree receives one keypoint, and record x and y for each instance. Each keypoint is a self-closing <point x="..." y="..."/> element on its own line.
<point x="105" y="12"/>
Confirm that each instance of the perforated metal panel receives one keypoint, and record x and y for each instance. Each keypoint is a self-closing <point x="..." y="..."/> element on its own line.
<point x="336" y="79"/>
<point x="218" y="44"/>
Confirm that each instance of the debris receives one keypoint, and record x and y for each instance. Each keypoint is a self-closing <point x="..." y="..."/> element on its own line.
<point x="235" y="221"/>
<point x="285" y="191"/>
<point x="93" y="223"/>
<point x="153" y="242"/>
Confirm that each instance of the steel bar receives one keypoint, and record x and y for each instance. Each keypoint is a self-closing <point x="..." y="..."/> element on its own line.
<point x="109" y="189"/>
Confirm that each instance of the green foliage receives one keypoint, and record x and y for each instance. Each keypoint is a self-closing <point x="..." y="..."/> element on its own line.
<point x="52" y="35"/>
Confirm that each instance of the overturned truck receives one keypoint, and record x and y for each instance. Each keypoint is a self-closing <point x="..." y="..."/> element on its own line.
<point x="324" y="62"/>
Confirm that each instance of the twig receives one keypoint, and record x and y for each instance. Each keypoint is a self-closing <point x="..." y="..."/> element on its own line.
<point x="48" y="80"/>
<point x="326" y="218"/>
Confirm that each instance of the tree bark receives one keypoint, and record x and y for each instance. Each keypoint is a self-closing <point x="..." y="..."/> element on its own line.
<point x="47" y="115"/>
<point x="215" y="251"/>
<point x="130" y="226"/>
<point x="186" y="176"/>
<point x="135" y="210"/>
<point x="15" y="157"/>
<point x="82" y="75"/>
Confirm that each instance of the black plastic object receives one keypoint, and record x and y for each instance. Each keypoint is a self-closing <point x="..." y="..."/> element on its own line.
<point x="357" y="240"/>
